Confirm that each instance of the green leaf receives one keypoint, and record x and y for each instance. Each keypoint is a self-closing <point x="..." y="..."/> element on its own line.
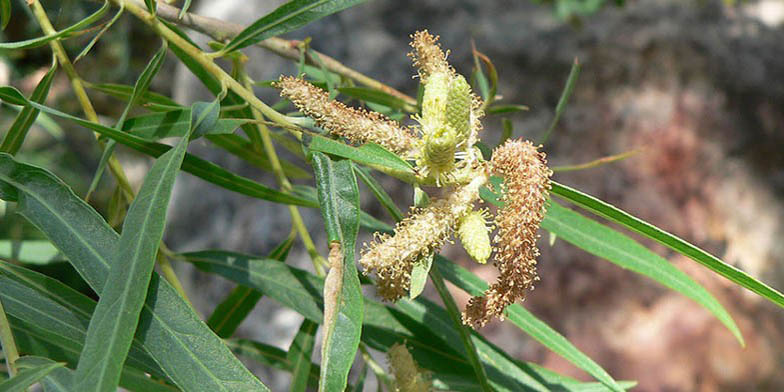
<point x="243" y="148"/>
<point x="339" y="199"/>
<point x="425" y="327"/>
<point x="62" y="34"/>
<point x="174" y="123"/>
<point x="28" y="377"/>
<point x="51" y="310"/>
<point x="369" y="154"/>
<point x="38" y="252"/>
<point x="379" y="192"/>
<point x="604" y="242"/>
<point x="377" y="96"/>
<point x="15" y="136"/>
<point x="505" y="109"/>
<point x="150" y="100"/>
<point x="100" y="34"/>
<point x="625" y="219"/>
<point x="419" y="275"/>
<point x="189" y="353"/>
<point x="228" y="315"/>
<point x="204" y="116"/>
<point x="271" y="356"/>
<point x="196" y="166"/>
<point x="152" y="6"/>
<point x="5" y="13"/>
<point x="299" y="354"/>
<point x="288" y="17"/>
<point x="524" y="319"/>
<point x="185" y="6"/>
<point x="563" y="100"/>
<point x="117" y="314"/>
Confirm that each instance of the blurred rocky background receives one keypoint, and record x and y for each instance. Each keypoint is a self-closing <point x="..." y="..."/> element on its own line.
<point x="697" y="86"/>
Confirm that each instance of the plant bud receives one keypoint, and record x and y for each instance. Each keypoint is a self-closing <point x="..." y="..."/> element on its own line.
<point x="458" y="107"/>
<point x="475" y="236"/>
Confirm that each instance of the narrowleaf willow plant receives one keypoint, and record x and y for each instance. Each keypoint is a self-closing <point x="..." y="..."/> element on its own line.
<point x="142" y="333"/>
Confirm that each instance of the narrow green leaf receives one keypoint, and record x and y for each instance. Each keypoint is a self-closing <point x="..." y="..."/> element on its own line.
<point x="174" y="123"/>
<point x="15" y="136"/>
<point x="62" y="34"/>
<point x="463" y="330"/>
<point x="152" y="6"/>
<point x="526" y="321"/>
<point x="185" y="6"/>
<point x="52" y="310"/>
<point x="339" y="199"/>
<point x="5" y="13"/>
<point x="204" y="116"/>
<point x="379" y="97"/>
<point x="508" y="131"/>
<point x="425" y="327"/>
<point x="142" y="83"/>
<point x="562" y="101"/>
<point x="288" y="17"/>
<point x="196" y="166"/>
<point x="487" y="88"/>
<point x="604" y="242"/>
<point x="370" y="154"/>
<point x="228" y="315"/>
<point x="100" y="34"/>
<point x="505" y="109"/>
<point x="193" y="357"/>
<point x="38" y="252"/>
<point x="117" y="314"/>
<point x="379" y="192"/>
<point x="625" y="219"/>
<point x="28" y="377"/>
<point x="150" y="100"/>
<point x="299" y="355"/>
<point x="419" y="275"/>
<point x="270" y="356"/>
<point x="243" y="148"/>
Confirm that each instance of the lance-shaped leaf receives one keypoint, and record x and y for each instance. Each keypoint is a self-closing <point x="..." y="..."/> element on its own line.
<point x="24" y="120"/>
<point x="193" y="357"/>
<point x="600" y="240"/>
<point x="65" y="33"/>
<point x="28" y="377"/>
<point x="339" y="199"/>
<point x="640" y="226"/>
<point x="299" y="354"/>
<point x="117" y="314"/>
<point x="288" y="17"/>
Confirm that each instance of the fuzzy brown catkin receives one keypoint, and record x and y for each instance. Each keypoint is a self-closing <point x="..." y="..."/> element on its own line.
<point x="428" y="56"/>
<point x="356" y="125"/>
<point x="391" y="258"/>
<point x="526" y="185"/>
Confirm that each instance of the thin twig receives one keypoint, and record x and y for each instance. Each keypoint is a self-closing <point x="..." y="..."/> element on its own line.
<point x="7" y="341"/>
<point x="597" y="162"/>
<point x="221" y="31"/>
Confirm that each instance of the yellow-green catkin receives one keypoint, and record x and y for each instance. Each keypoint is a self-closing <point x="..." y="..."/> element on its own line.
<point x="408" y="376"/>
<point x="434" y="99"/>
<point x="475" y="236"/>
<point x="458" y="108"/>
<point x="439" y="152"/>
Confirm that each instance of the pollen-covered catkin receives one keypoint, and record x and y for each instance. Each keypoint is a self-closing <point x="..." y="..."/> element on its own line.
<point x="391" y="258"/>
<point x="526" y="186"/>
<point x="408" y="376"/>
<point x="428" y="56"/>
<point x="358" y="126"/>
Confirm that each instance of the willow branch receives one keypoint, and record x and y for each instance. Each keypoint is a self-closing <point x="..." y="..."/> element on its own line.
<point x="221" y="31"/>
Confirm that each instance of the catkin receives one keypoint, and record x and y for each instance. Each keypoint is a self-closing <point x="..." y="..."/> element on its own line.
<point x="526" y="185"/>
<point x="356" y="125"/>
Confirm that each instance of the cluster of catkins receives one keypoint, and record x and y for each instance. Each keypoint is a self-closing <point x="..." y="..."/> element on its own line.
<point x="442" y="146"/>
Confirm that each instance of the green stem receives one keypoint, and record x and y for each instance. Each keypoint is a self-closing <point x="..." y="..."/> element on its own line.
<point x="168" y="272"/>
<point x="7" y="340"/>
<point x="465" y="335"/>
<point x="207" y="62"/>
<point x="269" y="148"/>
<point x="78" y="89"/>
<point x="377" y="369"/>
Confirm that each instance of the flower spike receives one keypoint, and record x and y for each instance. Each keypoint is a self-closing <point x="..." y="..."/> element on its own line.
<point x="526" y="185"/>
<point x="356" y="125"/>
